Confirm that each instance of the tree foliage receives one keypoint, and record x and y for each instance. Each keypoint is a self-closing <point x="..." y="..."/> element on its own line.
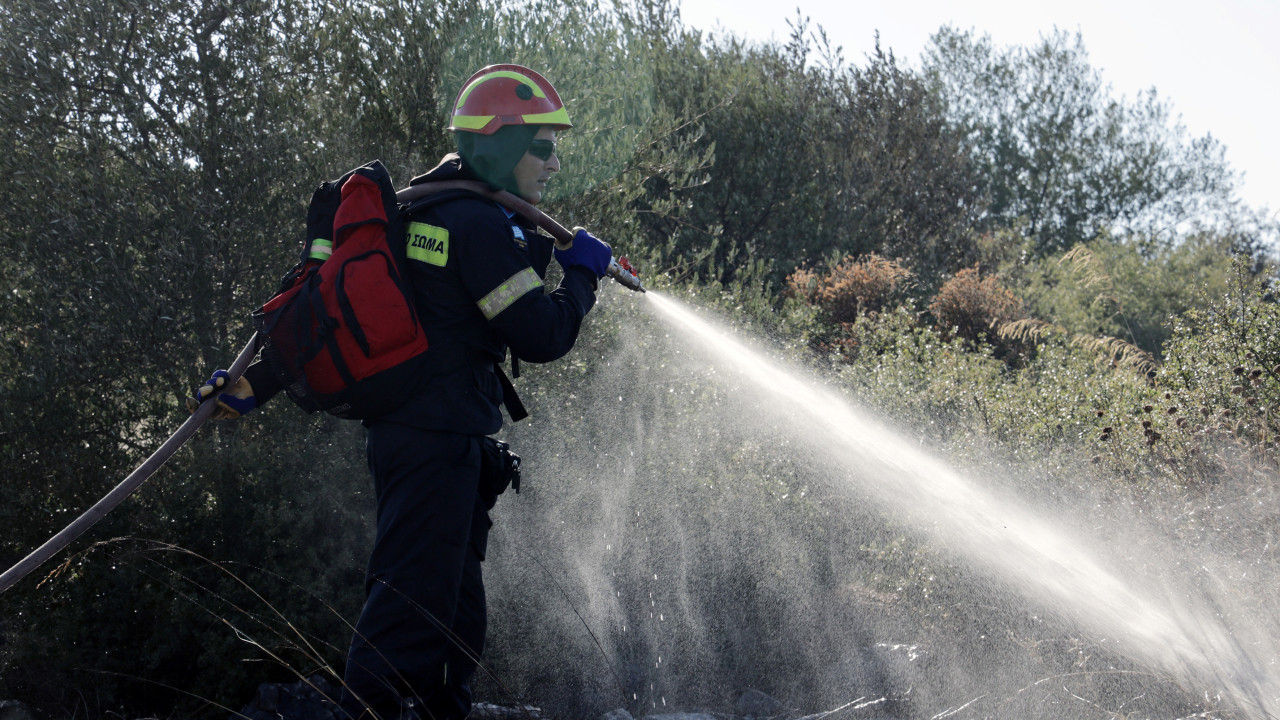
<point x="158" y="156"/>
<point x="1061" y="159"/>
<point x="815" y="157"/>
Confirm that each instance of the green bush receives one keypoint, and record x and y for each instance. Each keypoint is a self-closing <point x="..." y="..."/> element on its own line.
<point x="1123" y="288"/>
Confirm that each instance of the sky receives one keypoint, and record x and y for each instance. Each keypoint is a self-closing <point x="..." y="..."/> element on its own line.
<point x="1216" y="64"/>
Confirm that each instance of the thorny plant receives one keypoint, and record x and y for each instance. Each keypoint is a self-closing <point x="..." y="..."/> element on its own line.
<point x="265" y="628"/>
<point x="1212" y="411"/>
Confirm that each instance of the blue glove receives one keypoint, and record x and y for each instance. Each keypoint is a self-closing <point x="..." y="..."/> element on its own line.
<point x="585" y="251"/>
<point x="236" y="401"/>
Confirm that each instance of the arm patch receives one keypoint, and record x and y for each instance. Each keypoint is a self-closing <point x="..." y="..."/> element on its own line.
<point x="427" y="243"/>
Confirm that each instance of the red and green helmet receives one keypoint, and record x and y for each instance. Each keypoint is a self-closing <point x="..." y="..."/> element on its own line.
<point x="501" y="95"/>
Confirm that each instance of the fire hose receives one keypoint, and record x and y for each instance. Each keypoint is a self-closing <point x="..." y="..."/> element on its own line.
<point x="188" y="428"/>
<point x="618" y="270"/>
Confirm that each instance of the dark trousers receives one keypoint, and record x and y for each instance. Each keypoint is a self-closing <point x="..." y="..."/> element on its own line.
<point x="422" y="627"/>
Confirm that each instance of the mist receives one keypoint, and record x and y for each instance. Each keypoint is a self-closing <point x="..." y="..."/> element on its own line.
<point x="702" y="518"/>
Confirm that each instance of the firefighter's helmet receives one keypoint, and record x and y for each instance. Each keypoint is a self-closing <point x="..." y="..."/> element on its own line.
<point x="501" y="95"/>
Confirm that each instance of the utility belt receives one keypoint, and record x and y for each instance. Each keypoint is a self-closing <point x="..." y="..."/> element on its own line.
<point x="499" y="468"/>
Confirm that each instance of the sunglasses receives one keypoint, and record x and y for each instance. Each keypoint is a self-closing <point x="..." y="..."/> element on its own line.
<point x="542" y="149"/>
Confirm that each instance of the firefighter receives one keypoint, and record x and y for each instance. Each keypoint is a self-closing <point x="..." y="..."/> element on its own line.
<point x="477" y="272"/>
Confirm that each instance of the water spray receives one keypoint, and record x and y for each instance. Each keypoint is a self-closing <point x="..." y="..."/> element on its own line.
<point x="1196" y="640"/>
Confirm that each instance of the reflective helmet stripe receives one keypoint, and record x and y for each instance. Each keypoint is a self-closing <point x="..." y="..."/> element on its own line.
<point x="523" y="80"/>
<point x="559" y="117"/>
<point x="475" y="122"/>
<point x="472" y="122"/>
<point x="515" y="287"/>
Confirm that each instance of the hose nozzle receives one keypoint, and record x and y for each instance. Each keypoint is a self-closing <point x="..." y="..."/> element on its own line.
<point x="620" y="270"/>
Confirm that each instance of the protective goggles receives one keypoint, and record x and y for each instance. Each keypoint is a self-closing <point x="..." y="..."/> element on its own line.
<point x="542" y="149"/>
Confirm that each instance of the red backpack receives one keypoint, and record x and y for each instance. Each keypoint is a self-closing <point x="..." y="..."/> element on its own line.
<point x="342" y="334"/>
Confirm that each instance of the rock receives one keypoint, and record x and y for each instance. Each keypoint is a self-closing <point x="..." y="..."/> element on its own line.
<point x="316" y="699"/>
<point x="752" y="703"/>
<point x="681" y="716"/>
<point x="619" y="714"/>
<point x="311" y="699"/>
<point x="485" y="711"/>
<point x="15" y="710"/>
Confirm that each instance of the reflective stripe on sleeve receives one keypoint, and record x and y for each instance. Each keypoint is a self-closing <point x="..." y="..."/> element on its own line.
<point x="321" y="249"/>
<point x="508" y="292"/>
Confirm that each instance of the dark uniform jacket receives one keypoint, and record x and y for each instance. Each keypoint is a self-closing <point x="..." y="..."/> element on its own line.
<point x="477" y="271"/>
<point x="477" y="274"/>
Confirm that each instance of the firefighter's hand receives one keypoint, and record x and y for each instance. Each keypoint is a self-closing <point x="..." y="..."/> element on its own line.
<point x="585" y="251"/>
<point x="232" y="402"/>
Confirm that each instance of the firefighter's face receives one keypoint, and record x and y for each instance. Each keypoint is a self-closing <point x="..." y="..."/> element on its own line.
<point x="535" y="168"/>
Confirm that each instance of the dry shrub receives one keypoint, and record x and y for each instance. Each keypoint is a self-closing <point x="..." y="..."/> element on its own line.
<point x="972" y="306"/>
<point x="804" y="284"/>
<point x="855" y="285"/>
<point x="1029" y="331"/>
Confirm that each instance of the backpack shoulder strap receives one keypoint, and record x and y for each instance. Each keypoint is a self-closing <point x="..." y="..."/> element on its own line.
<point x="439" y="198"/>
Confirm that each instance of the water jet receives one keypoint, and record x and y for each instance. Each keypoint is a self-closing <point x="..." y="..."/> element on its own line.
<point x="738" y="490"/>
